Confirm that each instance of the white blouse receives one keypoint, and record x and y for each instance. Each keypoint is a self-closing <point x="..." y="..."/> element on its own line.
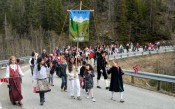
<point x="42" y="74"/>
<point x="71" y="74"/>
<point x="14" y="67"/>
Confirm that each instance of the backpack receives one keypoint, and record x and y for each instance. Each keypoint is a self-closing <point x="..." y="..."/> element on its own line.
<point x="58" y="71"/>
<point x="63" y="69"/>
<point x="32" y="61"/>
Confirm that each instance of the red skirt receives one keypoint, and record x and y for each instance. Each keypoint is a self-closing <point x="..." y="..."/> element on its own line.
<point x="15" y="89"/>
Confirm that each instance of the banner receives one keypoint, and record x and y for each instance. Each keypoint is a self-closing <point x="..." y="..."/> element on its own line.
<point x="79" y="25"/>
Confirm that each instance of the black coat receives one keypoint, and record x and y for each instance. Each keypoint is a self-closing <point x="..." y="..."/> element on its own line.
<point x="101" y="63"/>
<point x="116" y="84"/>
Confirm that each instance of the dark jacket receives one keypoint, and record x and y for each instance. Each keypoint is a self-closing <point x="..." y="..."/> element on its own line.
<point x="63" y="69"/>
<point x="82" y="71"/>
<point x="44" y="55"/>
<point x="88" y="80"/>
<point x="101" y="63"/>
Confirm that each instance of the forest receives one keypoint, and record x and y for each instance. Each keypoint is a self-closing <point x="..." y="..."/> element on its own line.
<point x="27" y="25"/>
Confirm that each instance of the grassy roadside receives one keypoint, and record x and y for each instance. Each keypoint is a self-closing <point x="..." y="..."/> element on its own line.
<point x="159" y="63"/>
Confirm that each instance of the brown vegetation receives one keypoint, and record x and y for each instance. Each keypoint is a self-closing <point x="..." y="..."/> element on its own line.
<point x="161" y="64"/>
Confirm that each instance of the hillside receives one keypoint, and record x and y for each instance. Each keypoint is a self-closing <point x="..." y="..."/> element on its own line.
<point x="161" y="63"/>
<point x="39" y="23"/>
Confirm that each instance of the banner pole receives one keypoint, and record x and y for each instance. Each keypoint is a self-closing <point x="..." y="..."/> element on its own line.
<point x="78" y="43"/>
<point x="80" y="4"/>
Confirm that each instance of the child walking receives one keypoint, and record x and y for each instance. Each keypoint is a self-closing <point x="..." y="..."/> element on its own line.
<point x="89" y="83"/>
<point x="12" y="73"/>
<point x="116" y="84"/>
<point x="63" y="75"/>
<point x="52" y="70"/>
<point x="40" y="75"/>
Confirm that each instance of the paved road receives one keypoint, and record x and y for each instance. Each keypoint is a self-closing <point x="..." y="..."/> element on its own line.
<point x="135" y="98"/>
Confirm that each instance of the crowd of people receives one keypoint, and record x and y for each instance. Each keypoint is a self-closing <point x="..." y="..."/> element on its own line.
<point x="73" y="65"/>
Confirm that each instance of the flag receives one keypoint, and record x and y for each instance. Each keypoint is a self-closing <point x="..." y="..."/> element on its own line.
<point x="3" y="80"/>
<point x="79" y="25"/>
<point x="135" y="68"/>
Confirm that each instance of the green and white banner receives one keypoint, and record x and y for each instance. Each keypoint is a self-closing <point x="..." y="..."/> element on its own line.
<point x="79" y="25"/>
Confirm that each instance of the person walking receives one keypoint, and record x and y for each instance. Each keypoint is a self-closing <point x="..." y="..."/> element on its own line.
<point x="82" y="73"/>
<point x="127" y="47"/>
<point x="116" y="82"/>
<point x="13" y="71"/>
<point x="32" y="62"/>
<point x="52" y="70"/>
<point x="101" y="69"/>
<point x="73" y="78"/>
<point x="40" y="74"/>
<point x="63" y="76"/>
<point x="88" y="81"/>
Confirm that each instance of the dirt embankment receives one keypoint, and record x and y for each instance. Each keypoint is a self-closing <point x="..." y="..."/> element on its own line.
<point x="159" y="63"/>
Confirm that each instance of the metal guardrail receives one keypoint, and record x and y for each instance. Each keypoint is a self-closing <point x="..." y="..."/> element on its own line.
<point x="132" y="54"/>
<point x="153" y="76"/>
<point x="4" y="63"/>
<point x="146" y="75"/>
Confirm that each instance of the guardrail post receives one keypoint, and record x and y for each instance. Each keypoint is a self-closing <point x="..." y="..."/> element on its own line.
<point x="173" y="87"/>
<point x="158" y="85"/>
<point x="149" y="52"/>
<point x="132" y="79"/>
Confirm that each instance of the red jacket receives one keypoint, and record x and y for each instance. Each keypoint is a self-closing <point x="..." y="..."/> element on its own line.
<point x="91" y="55"/>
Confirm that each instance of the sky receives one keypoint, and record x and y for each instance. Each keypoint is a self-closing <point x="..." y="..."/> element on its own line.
<point x="80" y="15"/>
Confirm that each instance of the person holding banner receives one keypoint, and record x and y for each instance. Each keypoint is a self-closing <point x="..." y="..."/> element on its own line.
<point x="73" y="78"/>
<point x="12" y="72"/>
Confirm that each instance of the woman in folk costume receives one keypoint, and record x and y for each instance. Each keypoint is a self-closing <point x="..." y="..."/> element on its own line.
<point x="116" y="84"/>
<point x="40" y="74"/>
<point x="74" y="78"/>
<point x="12" y="72"/>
